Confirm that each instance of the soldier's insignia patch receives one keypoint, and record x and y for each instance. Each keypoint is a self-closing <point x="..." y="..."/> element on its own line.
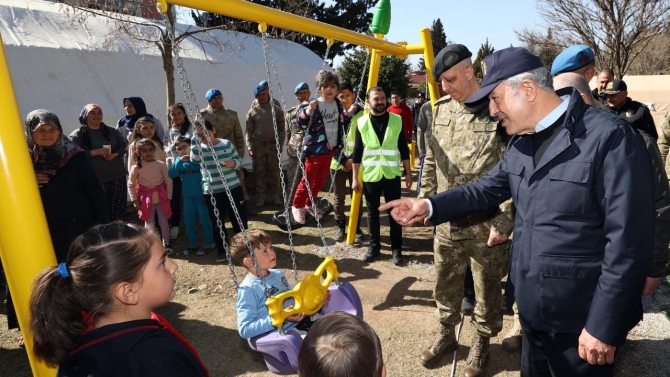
<point x="450" y="59"/>
<point x="583" y="58"/>
<point x="484" y="69"/>
<point x="629" y="113"/>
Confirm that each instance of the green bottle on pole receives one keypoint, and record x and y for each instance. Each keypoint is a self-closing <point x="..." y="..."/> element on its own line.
<point x="381" y="20"/>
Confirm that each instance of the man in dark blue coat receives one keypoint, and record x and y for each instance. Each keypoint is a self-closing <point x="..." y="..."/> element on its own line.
<point x="582" y="184"/>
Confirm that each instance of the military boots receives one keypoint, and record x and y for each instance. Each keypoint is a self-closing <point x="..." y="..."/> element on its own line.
<point x="341" y="234"/>
<point x="478" y="358"/>
<point x="512" y="340"/>
<point x="444" y="343"/>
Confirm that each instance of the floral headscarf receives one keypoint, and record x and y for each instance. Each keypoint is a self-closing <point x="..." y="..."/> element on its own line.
<point x="48" y="159"/>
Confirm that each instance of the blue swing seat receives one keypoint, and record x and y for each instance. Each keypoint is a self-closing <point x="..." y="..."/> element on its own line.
<point x="281" y="351"/>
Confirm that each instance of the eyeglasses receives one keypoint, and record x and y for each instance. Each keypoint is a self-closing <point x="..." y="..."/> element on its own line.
<point x="181" y="148"/>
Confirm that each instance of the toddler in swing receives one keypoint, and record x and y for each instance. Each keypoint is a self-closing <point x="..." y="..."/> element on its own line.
<point x="93" y="315"/>
<point x="253" y="318"/>
<point x="150" y="189"/>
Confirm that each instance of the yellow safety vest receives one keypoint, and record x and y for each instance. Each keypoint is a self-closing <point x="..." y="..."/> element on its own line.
<point x="349" y="141"/>
<point x="380" y="161"/>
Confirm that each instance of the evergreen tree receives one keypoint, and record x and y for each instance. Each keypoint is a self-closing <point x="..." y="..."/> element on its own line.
<point x="354" y="15"/>
<point x="438" y="39"/>
<point x="393" y="72"/>
<point x="485" y="50"/>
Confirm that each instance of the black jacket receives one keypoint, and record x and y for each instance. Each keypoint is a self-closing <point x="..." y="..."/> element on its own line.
<point x="131" y="349"/>
<point x="73" y="202"/>
<point x="637" y="114"/>
<point x="583" y="230"/>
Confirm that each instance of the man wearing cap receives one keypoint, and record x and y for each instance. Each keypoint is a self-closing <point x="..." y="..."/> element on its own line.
<point x="227" y="126"/>
<point x="296" y="133"/>
<point x="604" y="77"/>
<point x="581" y="181"/>
<point x="462" y="146"/>
<point x="260" y="137"/>
<point x="416" y="107"/>
<point x="635" y="113"/>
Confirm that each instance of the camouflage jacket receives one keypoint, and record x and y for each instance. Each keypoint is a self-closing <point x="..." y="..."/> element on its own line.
<point x="227" y="126"/>
<point x="460" y="148"/>
<point x="294" y="132"/>
<point x="260" y="126"/>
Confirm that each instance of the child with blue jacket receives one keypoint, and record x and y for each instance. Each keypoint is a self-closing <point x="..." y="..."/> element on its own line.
<point x="253" y="317"/>
<point x="194" y="199"/>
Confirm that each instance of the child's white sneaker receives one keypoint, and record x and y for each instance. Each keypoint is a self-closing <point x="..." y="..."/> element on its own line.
<point x="298" y="215"/>
<point x="174" y="232"/>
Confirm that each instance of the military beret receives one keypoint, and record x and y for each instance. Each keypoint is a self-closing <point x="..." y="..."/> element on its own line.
<point x="261" y="87"/>
<point x="301" y="86"/>
<point x="571" y="59"/>
<point x="449" y="57"/>
<point x="212" y="93"/>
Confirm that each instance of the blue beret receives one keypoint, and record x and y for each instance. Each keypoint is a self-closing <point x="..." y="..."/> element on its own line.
<point x="301" y="86"/>
<point x="572" y="59"/>
<point x="212" y="93"/>
<point x="261" y="86"/>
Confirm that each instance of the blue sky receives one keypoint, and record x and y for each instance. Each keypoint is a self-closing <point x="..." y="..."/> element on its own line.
<point x="466" y="22"/>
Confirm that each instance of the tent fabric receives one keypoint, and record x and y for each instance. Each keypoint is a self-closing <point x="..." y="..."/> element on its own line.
<point x="61" y="67"/>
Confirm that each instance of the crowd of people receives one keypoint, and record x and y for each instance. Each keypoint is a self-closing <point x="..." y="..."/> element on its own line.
<point x="574" y="179"/>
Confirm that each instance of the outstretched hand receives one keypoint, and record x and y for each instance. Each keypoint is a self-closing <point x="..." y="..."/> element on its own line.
<point x="407" y="211"/>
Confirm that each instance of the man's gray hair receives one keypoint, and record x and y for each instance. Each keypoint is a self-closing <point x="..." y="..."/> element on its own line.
<point x="541" y="76"/>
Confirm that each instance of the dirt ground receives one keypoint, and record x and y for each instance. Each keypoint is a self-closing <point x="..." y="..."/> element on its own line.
<point x="396" y="302"/>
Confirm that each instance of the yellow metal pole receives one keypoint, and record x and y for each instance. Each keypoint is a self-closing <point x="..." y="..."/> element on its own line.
<point x="428" y="58"/>
<point x="373" y="76"/>
<point x="411" y="154"/>
<point x="258" y="13"/>
<point x="25" y="244"/>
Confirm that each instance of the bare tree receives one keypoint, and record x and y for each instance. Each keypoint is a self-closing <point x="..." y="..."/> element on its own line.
<point x="654" y="59"/>
<point x="145" y="33"/>
<point x="618" y="31"/>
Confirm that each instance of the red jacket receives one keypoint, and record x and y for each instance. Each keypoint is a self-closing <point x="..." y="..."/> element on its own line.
<point x="407" y="118"/>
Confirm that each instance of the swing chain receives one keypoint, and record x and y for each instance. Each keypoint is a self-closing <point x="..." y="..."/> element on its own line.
<point x="189" y="94"/>
<point x="267" y="52"/>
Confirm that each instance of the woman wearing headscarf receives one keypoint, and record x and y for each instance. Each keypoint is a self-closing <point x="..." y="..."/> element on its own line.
<point x="71" y="193"/>
<point x="135" y="109"/>
<point x="104" y="146"/>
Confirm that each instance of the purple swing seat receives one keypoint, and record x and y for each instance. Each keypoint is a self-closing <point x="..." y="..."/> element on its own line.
<point x="281" y="351"/>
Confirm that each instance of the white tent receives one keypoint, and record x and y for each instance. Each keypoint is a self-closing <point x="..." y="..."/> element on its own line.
<point x="61" y="67"/>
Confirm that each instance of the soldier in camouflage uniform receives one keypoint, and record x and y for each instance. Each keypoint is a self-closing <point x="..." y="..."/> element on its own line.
<point x="296" y="133"/>
<point x="462" y="146"/>
<point x="260" y="138"/>
<point x="227" y="126"/>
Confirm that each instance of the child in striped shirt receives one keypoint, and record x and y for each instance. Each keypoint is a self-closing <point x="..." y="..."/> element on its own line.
<point x="230" y="162"/>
